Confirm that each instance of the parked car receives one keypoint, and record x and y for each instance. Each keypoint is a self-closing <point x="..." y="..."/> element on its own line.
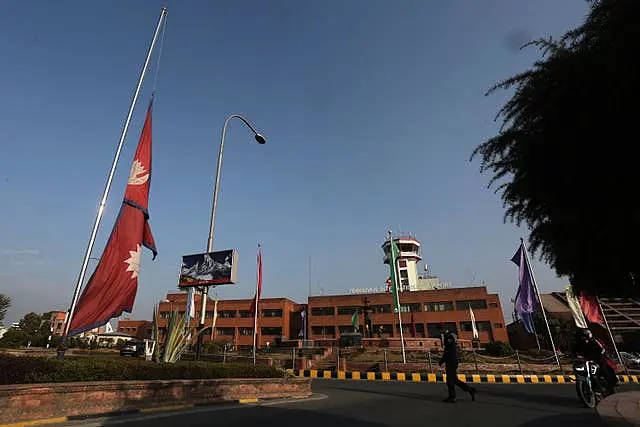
<point x="132" y="349"/>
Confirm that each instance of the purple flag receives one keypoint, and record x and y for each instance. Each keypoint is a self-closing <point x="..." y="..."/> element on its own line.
<point x="526" y="302"/>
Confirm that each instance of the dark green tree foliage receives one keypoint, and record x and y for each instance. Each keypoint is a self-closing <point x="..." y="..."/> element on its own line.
<point x="5" y="303"/>
<point x="565" y="158"/>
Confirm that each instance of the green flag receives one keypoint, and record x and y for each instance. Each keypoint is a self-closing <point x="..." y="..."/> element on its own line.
<point x="393" y="261"/>
<point x="354" y="320"/>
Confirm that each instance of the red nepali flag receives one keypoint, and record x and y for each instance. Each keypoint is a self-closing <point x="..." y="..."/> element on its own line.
<point x="254" y="305"/>
<point x="113" y="285"/>
<point x="591" y="309"/>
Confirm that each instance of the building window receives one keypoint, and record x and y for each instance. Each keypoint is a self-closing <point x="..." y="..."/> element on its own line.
<point x="272" y="312"/>
<point x="383" y="329"/>
<point x="209" y="314"/>
<point x="382" y="308"/>
<point x="493" y="305"/>
<point x="326" y="331"/>
<point x="245" y="331"/>
<point x="483" y="326"/>
<point x="466" y="327"/>
<point x="348" y="310"/>
<point x="479" y="304"/>
<point x="346" y="329"/>
<point x="434" y="330"/>
<point x="164" y="314"/>
<point x="322" y="311"/>
<point x="227" y="332"/>
<point x="245" y="314"/>
<point x="410" y="308"/>
<point x="438" y="306"/>
<point x="275" y="331"/>
<point x="498" y="325"/>
<point x="402" y="264"/>
<point x="227" y="314"/>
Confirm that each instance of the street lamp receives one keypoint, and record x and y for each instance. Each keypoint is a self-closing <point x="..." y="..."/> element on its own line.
<point x="260" y="139"/>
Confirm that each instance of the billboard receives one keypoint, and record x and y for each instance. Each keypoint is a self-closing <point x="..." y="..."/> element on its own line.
<point x="210" y="268"/>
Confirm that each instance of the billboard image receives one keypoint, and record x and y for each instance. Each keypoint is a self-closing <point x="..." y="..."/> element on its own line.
<point x="207" y="269"/>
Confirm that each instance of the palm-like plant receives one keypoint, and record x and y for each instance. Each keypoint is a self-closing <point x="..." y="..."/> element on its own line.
<point x="177" y="337"/>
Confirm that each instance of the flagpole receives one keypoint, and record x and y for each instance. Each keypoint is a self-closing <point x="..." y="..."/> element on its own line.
<point x="105" y="194"/>
<point x="613" y="341"/>
<point x="397" y="277"/>
<point x="255" y="314"/>
<point x="535" y="286"/>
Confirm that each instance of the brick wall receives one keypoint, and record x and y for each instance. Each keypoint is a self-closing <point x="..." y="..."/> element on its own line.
<point x="38" y="401"/>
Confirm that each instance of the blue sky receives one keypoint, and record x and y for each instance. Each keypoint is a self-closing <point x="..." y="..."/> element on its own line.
<point x="371" y="109"/>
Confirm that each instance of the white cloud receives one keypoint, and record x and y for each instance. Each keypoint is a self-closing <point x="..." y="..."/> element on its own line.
<point x="32" y="252"/>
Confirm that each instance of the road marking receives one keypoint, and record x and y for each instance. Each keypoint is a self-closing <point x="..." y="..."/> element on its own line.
<point x="166" y="408"/>
<point x="100" y="422"/>
<point x="37" y="422"/>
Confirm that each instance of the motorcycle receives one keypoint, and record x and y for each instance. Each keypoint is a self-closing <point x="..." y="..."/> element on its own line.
<point x="591" y="384"/>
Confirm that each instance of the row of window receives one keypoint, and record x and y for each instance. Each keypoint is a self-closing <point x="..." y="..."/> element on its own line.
<point x="433" y="330"/>
<point x="232" y="314"/>
<point x="275" y="331"/>
<point x="406" y="308"/>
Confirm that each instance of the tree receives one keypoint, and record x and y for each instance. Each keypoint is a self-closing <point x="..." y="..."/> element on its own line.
<point x="37" y="328"/>
<point x="14" y="338"/>
<point x="564" y="158"/>
<point x="5" y="303"/>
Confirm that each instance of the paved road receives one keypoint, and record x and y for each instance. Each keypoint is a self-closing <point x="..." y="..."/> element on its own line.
<point x="378" y="404"/>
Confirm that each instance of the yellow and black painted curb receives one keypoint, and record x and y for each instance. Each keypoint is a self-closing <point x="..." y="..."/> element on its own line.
<point x="440" y="378"/>
<point x="180" y="407"/>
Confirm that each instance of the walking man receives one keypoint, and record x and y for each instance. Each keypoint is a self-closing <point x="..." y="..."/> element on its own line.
<point x="451" y="358"/>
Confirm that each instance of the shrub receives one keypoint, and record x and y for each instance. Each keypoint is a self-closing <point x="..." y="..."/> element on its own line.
<point x="498" y="349"/>
<point x="30" y="370"/>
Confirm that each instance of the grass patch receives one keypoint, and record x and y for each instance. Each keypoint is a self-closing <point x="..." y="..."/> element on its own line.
<point x="33" y="370"/>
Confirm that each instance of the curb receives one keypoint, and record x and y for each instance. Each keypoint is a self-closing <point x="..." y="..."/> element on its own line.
<point x="620" y="409"/>
<point x="441" y="378"/>
<point x="168" y="408"/>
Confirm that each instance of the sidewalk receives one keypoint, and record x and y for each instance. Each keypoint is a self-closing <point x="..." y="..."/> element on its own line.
<point x="621" y="409"/>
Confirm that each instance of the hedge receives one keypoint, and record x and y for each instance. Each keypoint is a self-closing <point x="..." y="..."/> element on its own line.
<point x="30" y="370"/>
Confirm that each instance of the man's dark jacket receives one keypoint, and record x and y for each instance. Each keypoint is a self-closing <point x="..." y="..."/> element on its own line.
<point x="451" y="354"/>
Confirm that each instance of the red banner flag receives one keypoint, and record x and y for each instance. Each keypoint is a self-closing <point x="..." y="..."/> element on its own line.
<point x="113" y="285"/>
<point x="591" y="309"/>
<point x="253" y="309"/>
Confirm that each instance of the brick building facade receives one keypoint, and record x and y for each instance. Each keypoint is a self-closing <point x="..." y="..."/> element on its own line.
<point x="141" y="329"/>
<point x="279" y="319"/>
<point x="329" y="316"/>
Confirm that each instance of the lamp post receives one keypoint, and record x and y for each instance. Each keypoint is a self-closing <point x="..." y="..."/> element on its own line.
<point x="260" y="139"/>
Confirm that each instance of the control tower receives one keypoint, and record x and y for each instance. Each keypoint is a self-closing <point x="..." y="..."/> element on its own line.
<point x="408" y="259"/>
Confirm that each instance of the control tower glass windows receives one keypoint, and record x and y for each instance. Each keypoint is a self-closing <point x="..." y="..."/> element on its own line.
<point x="407" y="247"/>
<point x="404" y="280"/>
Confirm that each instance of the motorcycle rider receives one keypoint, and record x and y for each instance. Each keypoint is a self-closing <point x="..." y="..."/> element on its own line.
<point x="593" y="349"/>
